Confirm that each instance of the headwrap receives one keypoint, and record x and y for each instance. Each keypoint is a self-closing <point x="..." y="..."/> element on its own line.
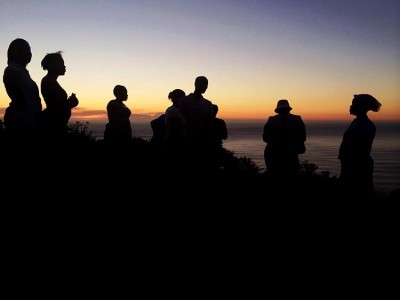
<point x="367" y="102"/>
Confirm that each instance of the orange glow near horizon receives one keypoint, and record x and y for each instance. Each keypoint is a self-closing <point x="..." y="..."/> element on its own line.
<point x="230" y="107"/>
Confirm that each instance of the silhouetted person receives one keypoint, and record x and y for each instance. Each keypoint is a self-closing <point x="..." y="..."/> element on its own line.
<point x="159" y="131"/>
<point x="283" y="133"/>
<point x="220" y="133"/>
<point x="118" y="129"/>
<point x="22" y="116"/>
<point x="56" y="115"/>
<point x="357" y="166"/>
<point x="198" y="113"/>
<point x="175" y="132"/>
<point x="1" y="132"/>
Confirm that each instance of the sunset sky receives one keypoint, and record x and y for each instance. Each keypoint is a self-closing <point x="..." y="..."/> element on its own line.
<point x="315" y="53"/>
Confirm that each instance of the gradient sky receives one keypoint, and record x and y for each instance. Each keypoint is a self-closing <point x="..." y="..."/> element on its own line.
<point x="315" y="53"/>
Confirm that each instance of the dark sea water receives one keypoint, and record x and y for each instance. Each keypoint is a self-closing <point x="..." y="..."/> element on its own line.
<point x="323" y="141"/>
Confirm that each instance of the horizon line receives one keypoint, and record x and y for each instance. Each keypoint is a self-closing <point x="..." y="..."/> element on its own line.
<point x="147" y="120"/>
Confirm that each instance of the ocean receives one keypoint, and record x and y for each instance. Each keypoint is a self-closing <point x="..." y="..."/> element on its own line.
<point x="323" y="141"/>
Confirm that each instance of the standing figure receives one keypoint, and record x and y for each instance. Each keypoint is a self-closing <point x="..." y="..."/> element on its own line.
<point x="22" y="116"/>
<point x="357" y="166"/>
<point x="175" y="132"/>
<point x="159" y="132"/>
<point x="283" y="134"/>
<point x="118" y="129"/>
<point x="58" y="105"/>
<point x="174" y="121"/>
<point x="220" y="133"/>
<point x="198" y="113"/>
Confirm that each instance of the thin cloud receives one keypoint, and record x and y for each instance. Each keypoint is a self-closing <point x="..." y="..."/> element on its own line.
<point x="82" y="113"/>
<point x="146" y="116"/>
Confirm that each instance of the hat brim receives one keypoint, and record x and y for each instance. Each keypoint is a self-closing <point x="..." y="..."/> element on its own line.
<point x="283" y="108"/>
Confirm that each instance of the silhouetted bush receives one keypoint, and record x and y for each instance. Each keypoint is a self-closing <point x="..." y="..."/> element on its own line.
<point x="308" y="169"/>
<point x="233" y="165"/>
<point x="79" y="132"/>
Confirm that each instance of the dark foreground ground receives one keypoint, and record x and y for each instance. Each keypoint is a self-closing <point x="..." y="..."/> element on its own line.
<point x="84" y="213"/>
<point x="86" y="193"/>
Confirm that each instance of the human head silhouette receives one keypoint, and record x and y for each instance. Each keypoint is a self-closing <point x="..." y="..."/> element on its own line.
<point x="120" y="92"/>
<point x="283" y="106"/>
<point x="201" y="84"/>
<point x="362" y="103"/>
<point x="175" y="95"/>
<point x="54" y="62"/>
<point x="19" y="51"/>
<point x="215" y="109"/>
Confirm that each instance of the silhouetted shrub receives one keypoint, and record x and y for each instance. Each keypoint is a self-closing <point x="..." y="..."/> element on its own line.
<point x="326" y="174"/>
<point x="233" y="165"/>
<point x="307" y="168"/>
<point x="79" y="132"/>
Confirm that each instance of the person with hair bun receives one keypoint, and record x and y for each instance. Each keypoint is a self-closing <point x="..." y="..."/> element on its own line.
<point x="174" y="121"/>
<point x="58" y="105"/>
<point x="175" y="131"/>
<point x="357" y="165"/>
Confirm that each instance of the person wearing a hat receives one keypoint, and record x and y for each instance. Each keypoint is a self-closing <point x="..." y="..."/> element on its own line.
<point x="285" y="134"/>
<point x="357" y="166"/>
